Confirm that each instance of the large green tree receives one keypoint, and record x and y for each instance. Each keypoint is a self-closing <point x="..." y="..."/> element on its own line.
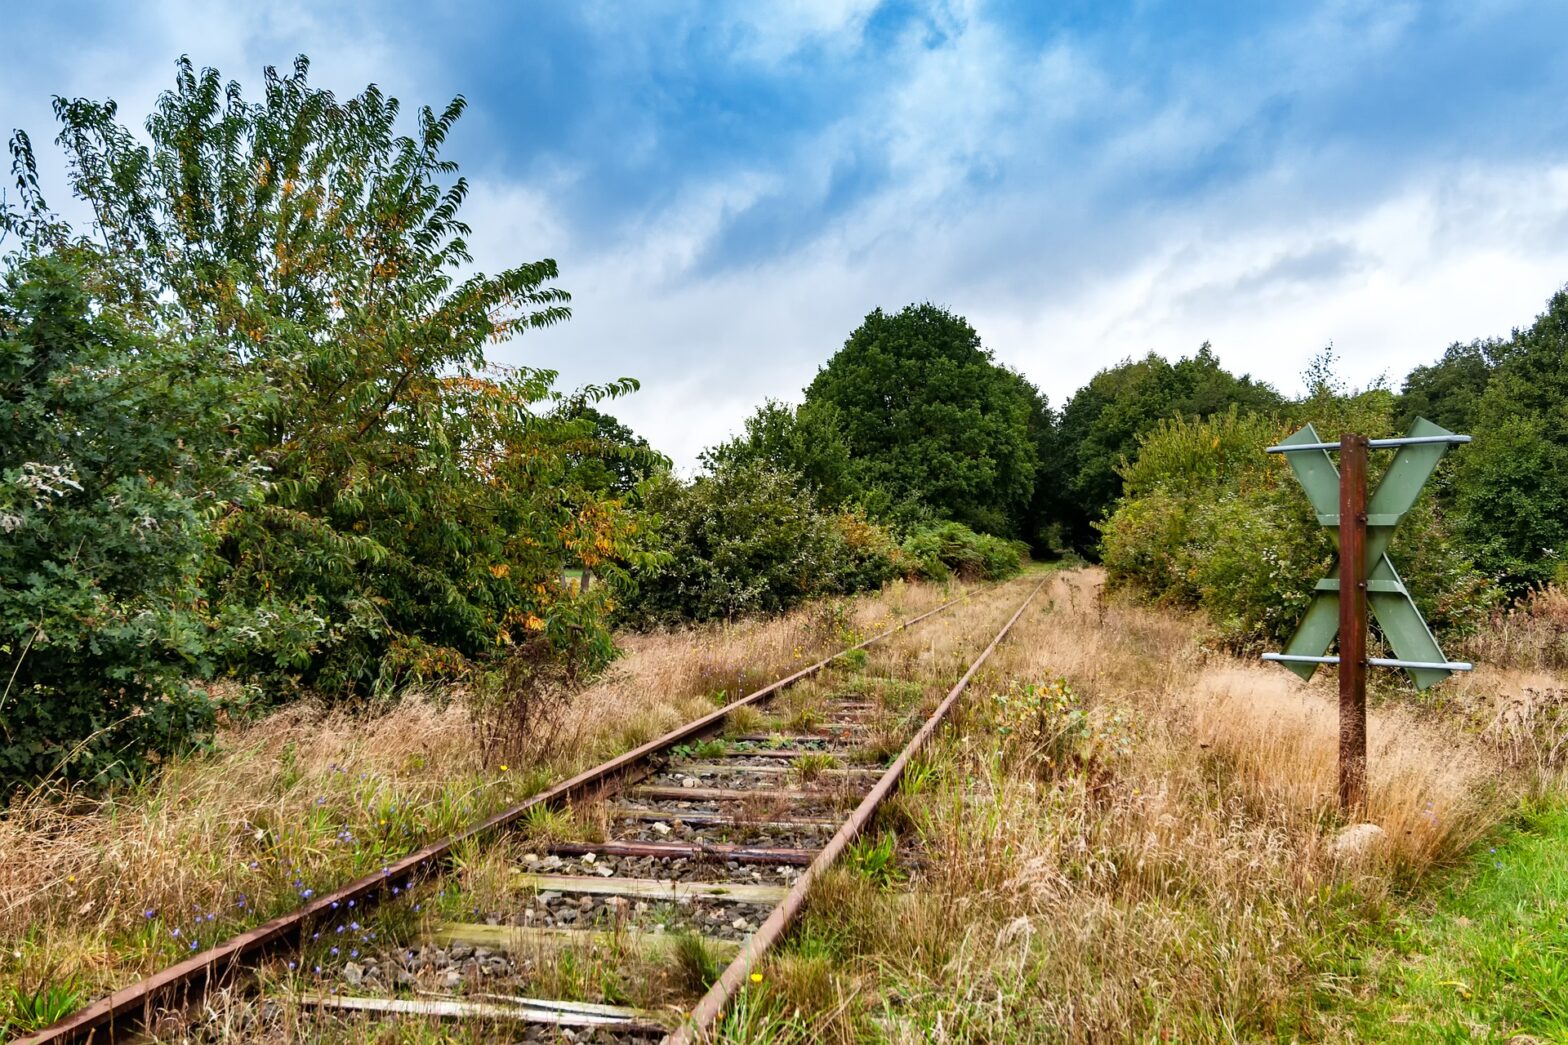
<point x="1103" y="421"/>
<point x="931" y="420"/>
<point x="417" y="498"/>
<point x="1511" y="486"/>
<point x="806" y="441"/>
<point x="1449" y="391"/>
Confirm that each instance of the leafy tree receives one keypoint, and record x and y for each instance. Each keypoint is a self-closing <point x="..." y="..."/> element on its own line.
<point x="1449" y="390"/>
<point x="1103" y="421"/>
<point x="115" y="459"/>
<point x="414" y="499"/>
<point x="807" y="440"/>
<point x="1512" y="481"/>
<point x="1043" y="525"/>
<point x="931" y="420"/>
<point x="612" y="458"/>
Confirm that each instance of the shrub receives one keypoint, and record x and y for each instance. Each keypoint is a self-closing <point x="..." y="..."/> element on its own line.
<point x="111" y="471"/>
<point x="748" y="539"/>
<point x="1046" y="730"/>
<point x="936" y="552"/>
<point x="1210" y="520"/>
<point x="866" y="555"/>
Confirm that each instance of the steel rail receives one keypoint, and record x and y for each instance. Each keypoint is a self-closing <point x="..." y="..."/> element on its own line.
<point x="129" y="1010"/>
<point x="705" y="1016"/>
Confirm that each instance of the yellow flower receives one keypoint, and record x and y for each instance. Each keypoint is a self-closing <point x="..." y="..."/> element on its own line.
<point x="756" y="977"/>
<point x="71" y="880"/>
<point x="503" y="768"/>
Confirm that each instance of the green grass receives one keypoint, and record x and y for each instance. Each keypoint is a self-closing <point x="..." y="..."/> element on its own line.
<point x="875" y="859"/>
<point x="1487" y="957"/>
<point x="697" y="966"/>
<point x="33" y="1008"/>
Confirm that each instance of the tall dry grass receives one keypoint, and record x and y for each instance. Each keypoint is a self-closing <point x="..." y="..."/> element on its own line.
<point x="1531" y="635"/>
<point x="1177" y="878"/>
<point x="99" y="890"/>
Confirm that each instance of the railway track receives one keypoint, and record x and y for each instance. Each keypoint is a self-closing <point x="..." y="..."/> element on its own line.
<point x="691" y="851"/>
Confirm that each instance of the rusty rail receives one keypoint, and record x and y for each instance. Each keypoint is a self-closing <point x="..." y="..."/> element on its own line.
<point x="129" y="1010"/>
<point x="705" y="1016"/>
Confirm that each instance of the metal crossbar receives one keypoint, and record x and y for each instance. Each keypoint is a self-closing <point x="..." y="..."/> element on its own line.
<point x="1381" y="662"/>
<point x="1375" y="444"/>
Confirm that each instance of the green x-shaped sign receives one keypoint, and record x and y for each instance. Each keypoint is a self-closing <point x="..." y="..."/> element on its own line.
<point x="1402" y="624"/>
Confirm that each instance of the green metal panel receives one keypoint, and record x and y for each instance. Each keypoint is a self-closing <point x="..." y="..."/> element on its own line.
<point x="1401" y="623"/>
<point x="1405" y="628"/>
<point x="1315" y="633"/>
<point x="1408" y="472"/>
<point x="1316" y="473"/>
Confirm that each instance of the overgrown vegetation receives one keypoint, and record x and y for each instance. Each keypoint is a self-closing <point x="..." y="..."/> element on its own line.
<point x="112" y="887"/>
<point x="252" y="431"/>
<point x="1210" y="520"/>
<point x="745" y="539"/>
<point x="938" y="552"/>
<point x="106" y="520"/>
<point x="253" y="456"/>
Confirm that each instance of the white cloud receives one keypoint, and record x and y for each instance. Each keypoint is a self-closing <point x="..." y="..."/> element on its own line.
<point x="1422" y="268"/>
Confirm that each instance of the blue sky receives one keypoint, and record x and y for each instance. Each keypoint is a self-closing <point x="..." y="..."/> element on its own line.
<point x="730" y="187"/>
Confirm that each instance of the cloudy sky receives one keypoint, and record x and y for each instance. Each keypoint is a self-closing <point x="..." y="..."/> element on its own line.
<point x="730" y="187"/>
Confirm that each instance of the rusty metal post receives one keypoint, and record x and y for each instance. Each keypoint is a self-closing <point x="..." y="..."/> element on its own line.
<point x="1353" y="626"/>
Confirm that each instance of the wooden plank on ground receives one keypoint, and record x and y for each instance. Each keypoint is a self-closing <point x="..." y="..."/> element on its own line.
<point x="751" y="854"/>
<point x="726" y="794"/>
<point x="520" y="1011"/>
<point x="524" y="937"/>
<point x="709" y="768"/>
<point x="653" y="888"/>
<point x="776" y="752"/>
<point x="692" y="819"/>
<point x="555" y="1005"/>
<point x="779" y="739"/>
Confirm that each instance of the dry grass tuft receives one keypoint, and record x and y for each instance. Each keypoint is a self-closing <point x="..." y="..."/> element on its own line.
<point x="1531" y="635"/>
